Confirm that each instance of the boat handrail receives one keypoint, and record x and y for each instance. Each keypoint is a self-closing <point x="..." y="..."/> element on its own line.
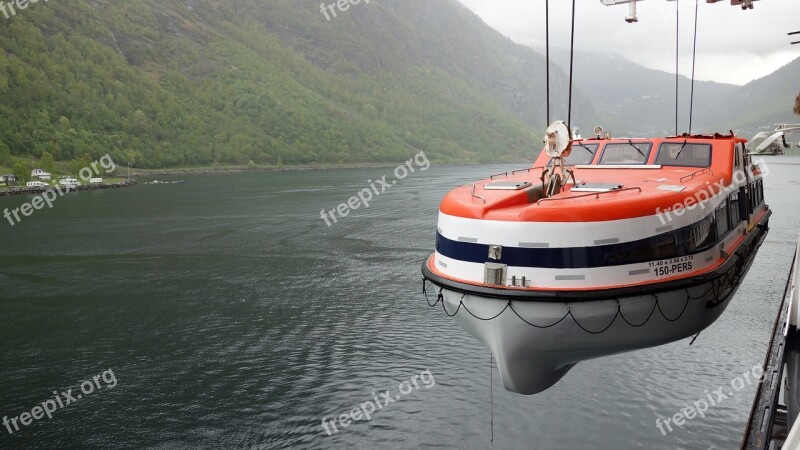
<point x="618" y="166"/>
<point x="476" y="195"/>
<point x="514" y="172"/>
<point x="596" y="194"/>
<point x="498" y="175"/>
<point x="699" y="172"/>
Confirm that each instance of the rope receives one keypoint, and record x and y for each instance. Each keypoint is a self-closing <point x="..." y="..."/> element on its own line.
<point x="677" y="59"/>
<point x="645" y="320"/>
<point x="491" y="390"/>
<point x="571" y="64"/>
<point x="694" y="61"/>
<point x="685" y="305"/>
<point x="539" y="326"/>
<point x="547" y="53"/>
<point x="689" y="295"/>
<point x="569" y="313"/>
<point x="729" y="279"/>
<point x="596" y="332"/>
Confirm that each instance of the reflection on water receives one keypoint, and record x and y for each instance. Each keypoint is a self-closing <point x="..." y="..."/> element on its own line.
<point x="232" y="315"/>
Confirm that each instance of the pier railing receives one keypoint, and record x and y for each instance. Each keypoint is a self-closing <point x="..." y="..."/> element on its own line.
<point x="767" y="415"/>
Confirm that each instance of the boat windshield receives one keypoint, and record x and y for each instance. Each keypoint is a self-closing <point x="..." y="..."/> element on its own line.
<point x="626" y="153"/>
<point x="579" y="155"/>
<point x="683" y="154"/>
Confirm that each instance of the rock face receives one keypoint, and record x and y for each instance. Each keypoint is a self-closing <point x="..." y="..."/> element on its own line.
<point x="24" y="190"/>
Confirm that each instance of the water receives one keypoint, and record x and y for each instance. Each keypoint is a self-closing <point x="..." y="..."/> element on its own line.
<point x="231" y="316"/>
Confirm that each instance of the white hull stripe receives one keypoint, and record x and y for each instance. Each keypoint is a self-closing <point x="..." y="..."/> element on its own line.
<point x="569" y="234"/>
<point x="554" y="278"/>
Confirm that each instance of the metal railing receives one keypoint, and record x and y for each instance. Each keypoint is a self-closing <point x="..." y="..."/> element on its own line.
<point x="476" y="195"/>
<point x="695" y="174"/>
<point x="595" y="194"/>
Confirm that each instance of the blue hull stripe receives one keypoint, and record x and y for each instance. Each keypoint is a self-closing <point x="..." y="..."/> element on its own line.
<point x="663" y="246"/>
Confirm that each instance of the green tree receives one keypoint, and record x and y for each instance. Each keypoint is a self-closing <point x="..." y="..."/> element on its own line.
<point x="5" y="154"/>
<point x="47" y="163"/>
<point x="22" y="172"/>
<point x="77" y="164"/>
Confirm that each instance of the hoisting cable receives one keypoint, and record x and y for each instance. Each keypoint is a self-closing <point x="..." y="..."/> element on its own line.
<point x="547" y="53"/>
<point x="491" y="390"/>
<point x="571" y="65"/>
<point x="694" y="61"/>
<point x="677" y="59"/>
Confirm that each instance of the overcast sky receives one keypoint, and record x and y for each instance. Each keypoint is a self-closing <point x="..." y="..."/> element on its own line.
<point x="734" y="46"/>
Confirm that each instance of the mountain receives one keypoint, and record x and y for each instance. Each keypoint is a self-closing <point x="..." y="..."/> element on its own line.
<point x="639" y="101"/>
<point x="198" y="82"/>
<point x="762" y="103"/>
<point x="636" y="101"/>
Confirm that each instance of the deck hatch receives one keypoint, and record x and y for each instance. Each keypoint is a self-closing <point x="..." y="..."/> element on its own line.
<point x="670" y="188"/>
<point x="507" y="185"/>
<point x="596" y="187"/>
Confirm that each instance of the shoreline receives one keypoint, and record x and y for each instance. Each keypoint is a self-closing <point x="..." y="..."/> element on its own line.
<point x="241" y="169"/>
<point x="24" y="190"/>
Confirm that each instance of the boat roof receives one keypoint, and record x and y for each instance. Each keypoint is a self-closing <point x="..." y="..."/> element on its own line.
<point x="611" y="185"/>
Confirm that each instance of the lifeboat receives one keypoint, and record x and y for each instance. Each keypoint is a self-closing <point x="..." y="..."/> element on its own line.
<point x="603" y="246"/>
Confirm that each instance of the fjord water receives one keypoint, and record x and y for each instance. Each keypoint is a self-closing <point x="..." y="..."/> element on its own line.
<point x="232" y="316"/>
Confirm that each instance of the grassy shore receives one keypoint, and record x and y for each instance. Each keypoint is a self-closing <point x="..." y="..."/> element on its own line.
<point x="108" y="183"/>
<point x="122" y="171"/>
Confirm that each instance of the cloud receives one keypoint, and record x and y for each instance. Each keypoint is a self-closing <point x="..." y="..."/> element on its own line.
<point x="734" y="46"/>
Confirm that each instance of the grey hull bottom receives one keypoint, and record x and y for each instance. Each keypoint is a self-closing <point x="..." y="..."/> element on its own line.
<point x="537" y="343"/>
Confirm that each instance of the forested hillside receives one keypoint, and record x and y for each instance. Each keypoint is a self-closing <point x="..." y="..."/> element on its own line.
<point x="764" y="102"/>
<point x="198" y="82"/>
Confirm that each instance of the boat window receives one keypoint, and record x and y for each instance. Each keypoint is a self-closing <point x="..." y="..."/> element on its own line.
<point x="701" y="235"/>
<point x="682" y="154"/>
<point x="756" y="195"/>
<point x="626" y="153"/>
<point x="661" y="247"/>
<point x="739" y="152"/>
<point x="722" y="220"/>
<point x="734" y="209"/>
<point x="580" y="154"/>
